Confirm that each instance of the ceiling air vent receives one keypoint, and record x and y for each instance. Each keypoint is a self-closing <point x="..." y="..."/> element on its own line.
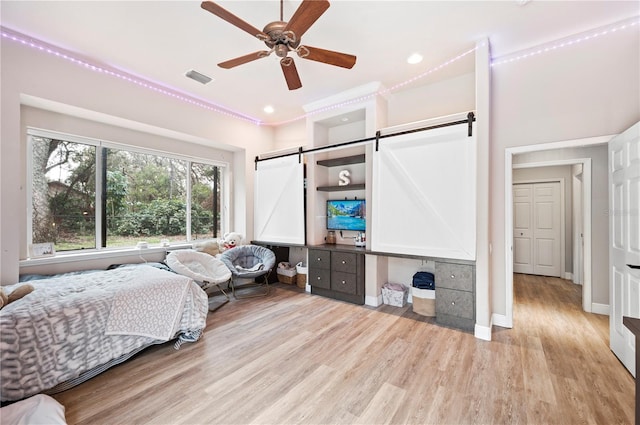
<point x="201" y="78"/>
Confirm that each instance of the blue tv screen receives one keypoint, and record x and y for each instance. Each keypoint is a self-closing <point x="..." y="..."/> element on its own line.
<point x="346" y="215"/>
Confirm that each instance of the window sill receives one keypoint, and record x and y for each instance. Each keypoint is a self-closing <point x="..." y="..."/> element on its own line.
<point x="70" y="257"/>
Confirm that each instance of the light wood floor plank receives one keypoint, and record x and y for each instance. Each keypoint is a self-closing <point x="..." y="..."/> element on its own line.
<point x="297" y="358"/>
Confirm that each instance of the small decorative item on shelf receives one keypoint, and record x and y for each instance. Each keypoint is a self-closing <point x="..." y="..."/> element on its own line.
<point x="41" y="250"/>
<point x="331" y="237"/>
<point x="360" y="239"/>
<point x="343" y="178"/>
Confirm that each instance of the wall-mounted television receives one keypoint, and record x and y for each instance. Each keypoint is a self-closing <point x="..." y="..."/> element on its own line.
<point x="346" y="215"/>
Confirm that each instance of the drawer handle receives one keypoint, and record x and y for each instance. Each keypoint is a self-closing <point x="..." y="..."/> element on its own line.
<point x="453" y="276"/>
<point x="343" y="282"/>
<point x="344" y="262"/>
<point x="319" y="259"/>
<point x="453" y="303"/>
<point x="318" y="277"/>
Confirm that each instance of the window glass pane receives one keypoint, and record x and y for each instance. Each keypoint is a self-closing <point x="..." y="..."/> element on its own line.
<point x="146" y="198"/>
<point x="63" y="202"/>
<point x="205" y="201"/>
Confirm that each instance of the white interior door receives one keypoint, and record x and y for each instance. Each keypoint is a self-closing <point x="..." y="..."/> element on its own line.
<point x="546" y="229"/>
<point x="278" y="208"/>
<point x="523" y="228"/>
<point x="624" y="241"/>
<point x="537" y="229"/>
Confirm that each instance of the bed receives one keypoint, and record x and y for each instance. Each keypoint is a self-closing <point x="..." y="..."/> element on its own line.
<point x="74" y="326"/>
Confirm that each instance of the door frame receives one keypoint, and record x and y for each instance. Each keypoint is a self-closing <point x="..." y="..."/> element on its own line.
<point x="507" y="319"/>
<point x="577" y="210"/>
<point x="560" y="180"/>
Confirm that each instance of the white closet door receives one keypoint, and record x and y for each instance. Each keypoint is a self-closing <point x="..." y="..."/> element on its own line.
<point x="522" y="228"/>
<point x="424" y="194"/>
<point x="278" y="208"/>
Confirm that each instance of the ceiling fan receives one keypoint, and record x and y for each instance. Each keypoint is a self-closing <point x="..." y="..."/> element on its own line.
<point x="283" y="37"/>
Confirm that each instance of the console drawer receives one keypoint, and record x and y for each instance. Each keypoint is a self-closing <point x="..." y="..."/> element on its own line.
<point x="320" y="278"/>
<point x="454" y="276"/>
<point x="344" y="282"/>
<point x="319" y="259"/>
<point x="343" y="262"/>
<point x="454" y="303"/>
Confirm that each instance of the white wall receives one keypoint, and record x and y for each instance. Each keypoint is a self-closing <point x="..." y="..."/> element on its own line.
<point x="584" y="90"/>
<point x="34" y="75"/>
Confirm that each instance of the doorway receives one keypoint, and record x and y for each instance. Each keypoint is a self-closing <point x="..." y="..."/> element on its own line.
<point x="507" y="320"/>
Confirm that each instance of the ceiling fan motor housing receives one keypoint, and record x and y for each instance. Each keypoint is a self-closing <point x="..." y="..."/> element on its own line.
<point x="280" y="40"/>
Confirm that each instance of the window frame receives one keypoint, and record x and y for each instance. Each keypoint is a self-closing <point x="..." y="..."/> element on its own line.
<point x="98" y="144"/>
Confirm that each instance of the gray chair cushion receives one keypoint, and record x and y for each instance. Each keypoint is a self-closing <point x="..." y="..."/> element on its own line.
<point x="248" y="261"/>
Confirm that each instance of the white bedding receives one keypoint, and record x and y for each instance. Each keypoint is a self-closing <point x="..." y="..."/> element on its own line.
<point x="58" y="333"/>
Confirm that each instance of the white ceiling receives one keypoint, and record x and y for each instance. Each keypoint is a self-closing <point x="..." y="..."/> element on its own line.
<point x="161" y="40"/>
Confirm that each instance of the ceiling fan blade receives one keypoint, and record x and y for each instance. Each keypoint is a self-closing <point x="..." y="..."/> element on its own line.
<point x="231" y="63"/>
<point x="233" y="19"/>
<point x="290" y="73"/>
<point x="330" y="57"/>
<point x="306" y="14"/>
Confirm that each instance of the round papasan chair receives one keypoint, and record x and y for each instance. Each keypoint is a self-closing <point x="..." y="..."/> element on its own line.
<point x="250" y="266"/>
<point x="206" y="270"/>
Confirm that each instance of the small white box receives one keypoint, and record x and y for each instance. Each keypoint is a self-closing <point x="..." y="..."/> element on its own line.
<point x="395" y="294"/>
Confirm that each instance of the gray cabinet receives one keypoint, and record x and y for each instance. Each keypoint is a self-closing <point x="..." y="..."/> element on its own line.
<point x="337" y="273"/>
<point x="455" y="295"/>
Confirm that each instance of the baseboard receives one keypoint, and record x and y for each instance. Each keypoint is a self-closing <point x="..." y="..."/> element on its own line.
<point x="482" y="332"/>
<point x="600" y="309"/>
<point x="501" y="320"/>
<point x="373" y="301"/>
<point x="568" y="276"/>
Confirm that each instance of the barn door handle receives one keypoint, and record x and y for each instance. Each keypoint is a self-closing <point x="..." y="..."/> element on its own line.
<point x="633" y="266"/>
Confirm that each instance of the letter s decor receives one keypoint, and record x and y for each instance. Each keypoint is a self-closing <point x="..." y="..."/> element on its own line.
<point x="344" y="178"/>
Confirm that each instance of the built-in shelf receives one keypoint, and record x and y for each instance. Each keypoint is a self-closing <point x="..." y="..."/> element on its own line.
<point x="336" y="162"/>
<point x="355" y="186"/>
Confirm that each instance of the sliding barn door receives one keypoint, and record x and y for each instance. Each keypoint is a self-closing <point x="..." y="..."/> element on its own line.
<point x="424" y="194"/>
<point x="278" y="208"/>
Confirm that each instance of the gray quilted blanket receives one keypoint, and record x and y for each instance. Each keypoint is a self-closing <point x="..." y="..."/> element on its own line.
<point x="61" y="330"/>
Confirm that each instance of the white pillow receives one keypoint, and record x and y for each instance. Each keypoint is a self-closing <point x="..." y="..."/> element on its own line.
<point x="39" y="409"/>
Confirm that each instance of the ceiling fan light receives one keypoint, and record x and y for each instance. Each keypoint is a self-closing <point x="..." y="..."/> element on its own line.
<point x="269" y="109"/>
<point x="197" y="76"/>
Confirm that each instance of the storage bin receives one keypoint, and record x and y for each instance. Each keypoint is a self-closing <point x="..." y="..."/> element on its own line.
<point x="301" y="278"/>
<point x="287" y="276"/>
<point x="395" y="294"/>
<point x="424" y="301"/>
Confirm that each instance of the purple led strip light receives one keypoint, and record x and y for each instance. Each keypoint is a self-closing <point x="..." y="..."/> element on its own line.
<point x="139" y="82"/>
<point x="590" y="35"/>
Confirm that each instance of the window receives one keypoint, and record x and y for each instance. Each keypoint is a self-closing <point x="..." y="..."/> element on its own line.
<point x="87" y="194"/>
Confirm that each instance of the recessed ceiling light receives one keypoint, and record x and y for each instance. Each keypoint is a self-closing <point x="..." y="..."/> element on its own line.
<point x="269" y="109"/>
<point x="414" y="58"/>
<point x="344" y="119"/>
<point x="199" y="77"/>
